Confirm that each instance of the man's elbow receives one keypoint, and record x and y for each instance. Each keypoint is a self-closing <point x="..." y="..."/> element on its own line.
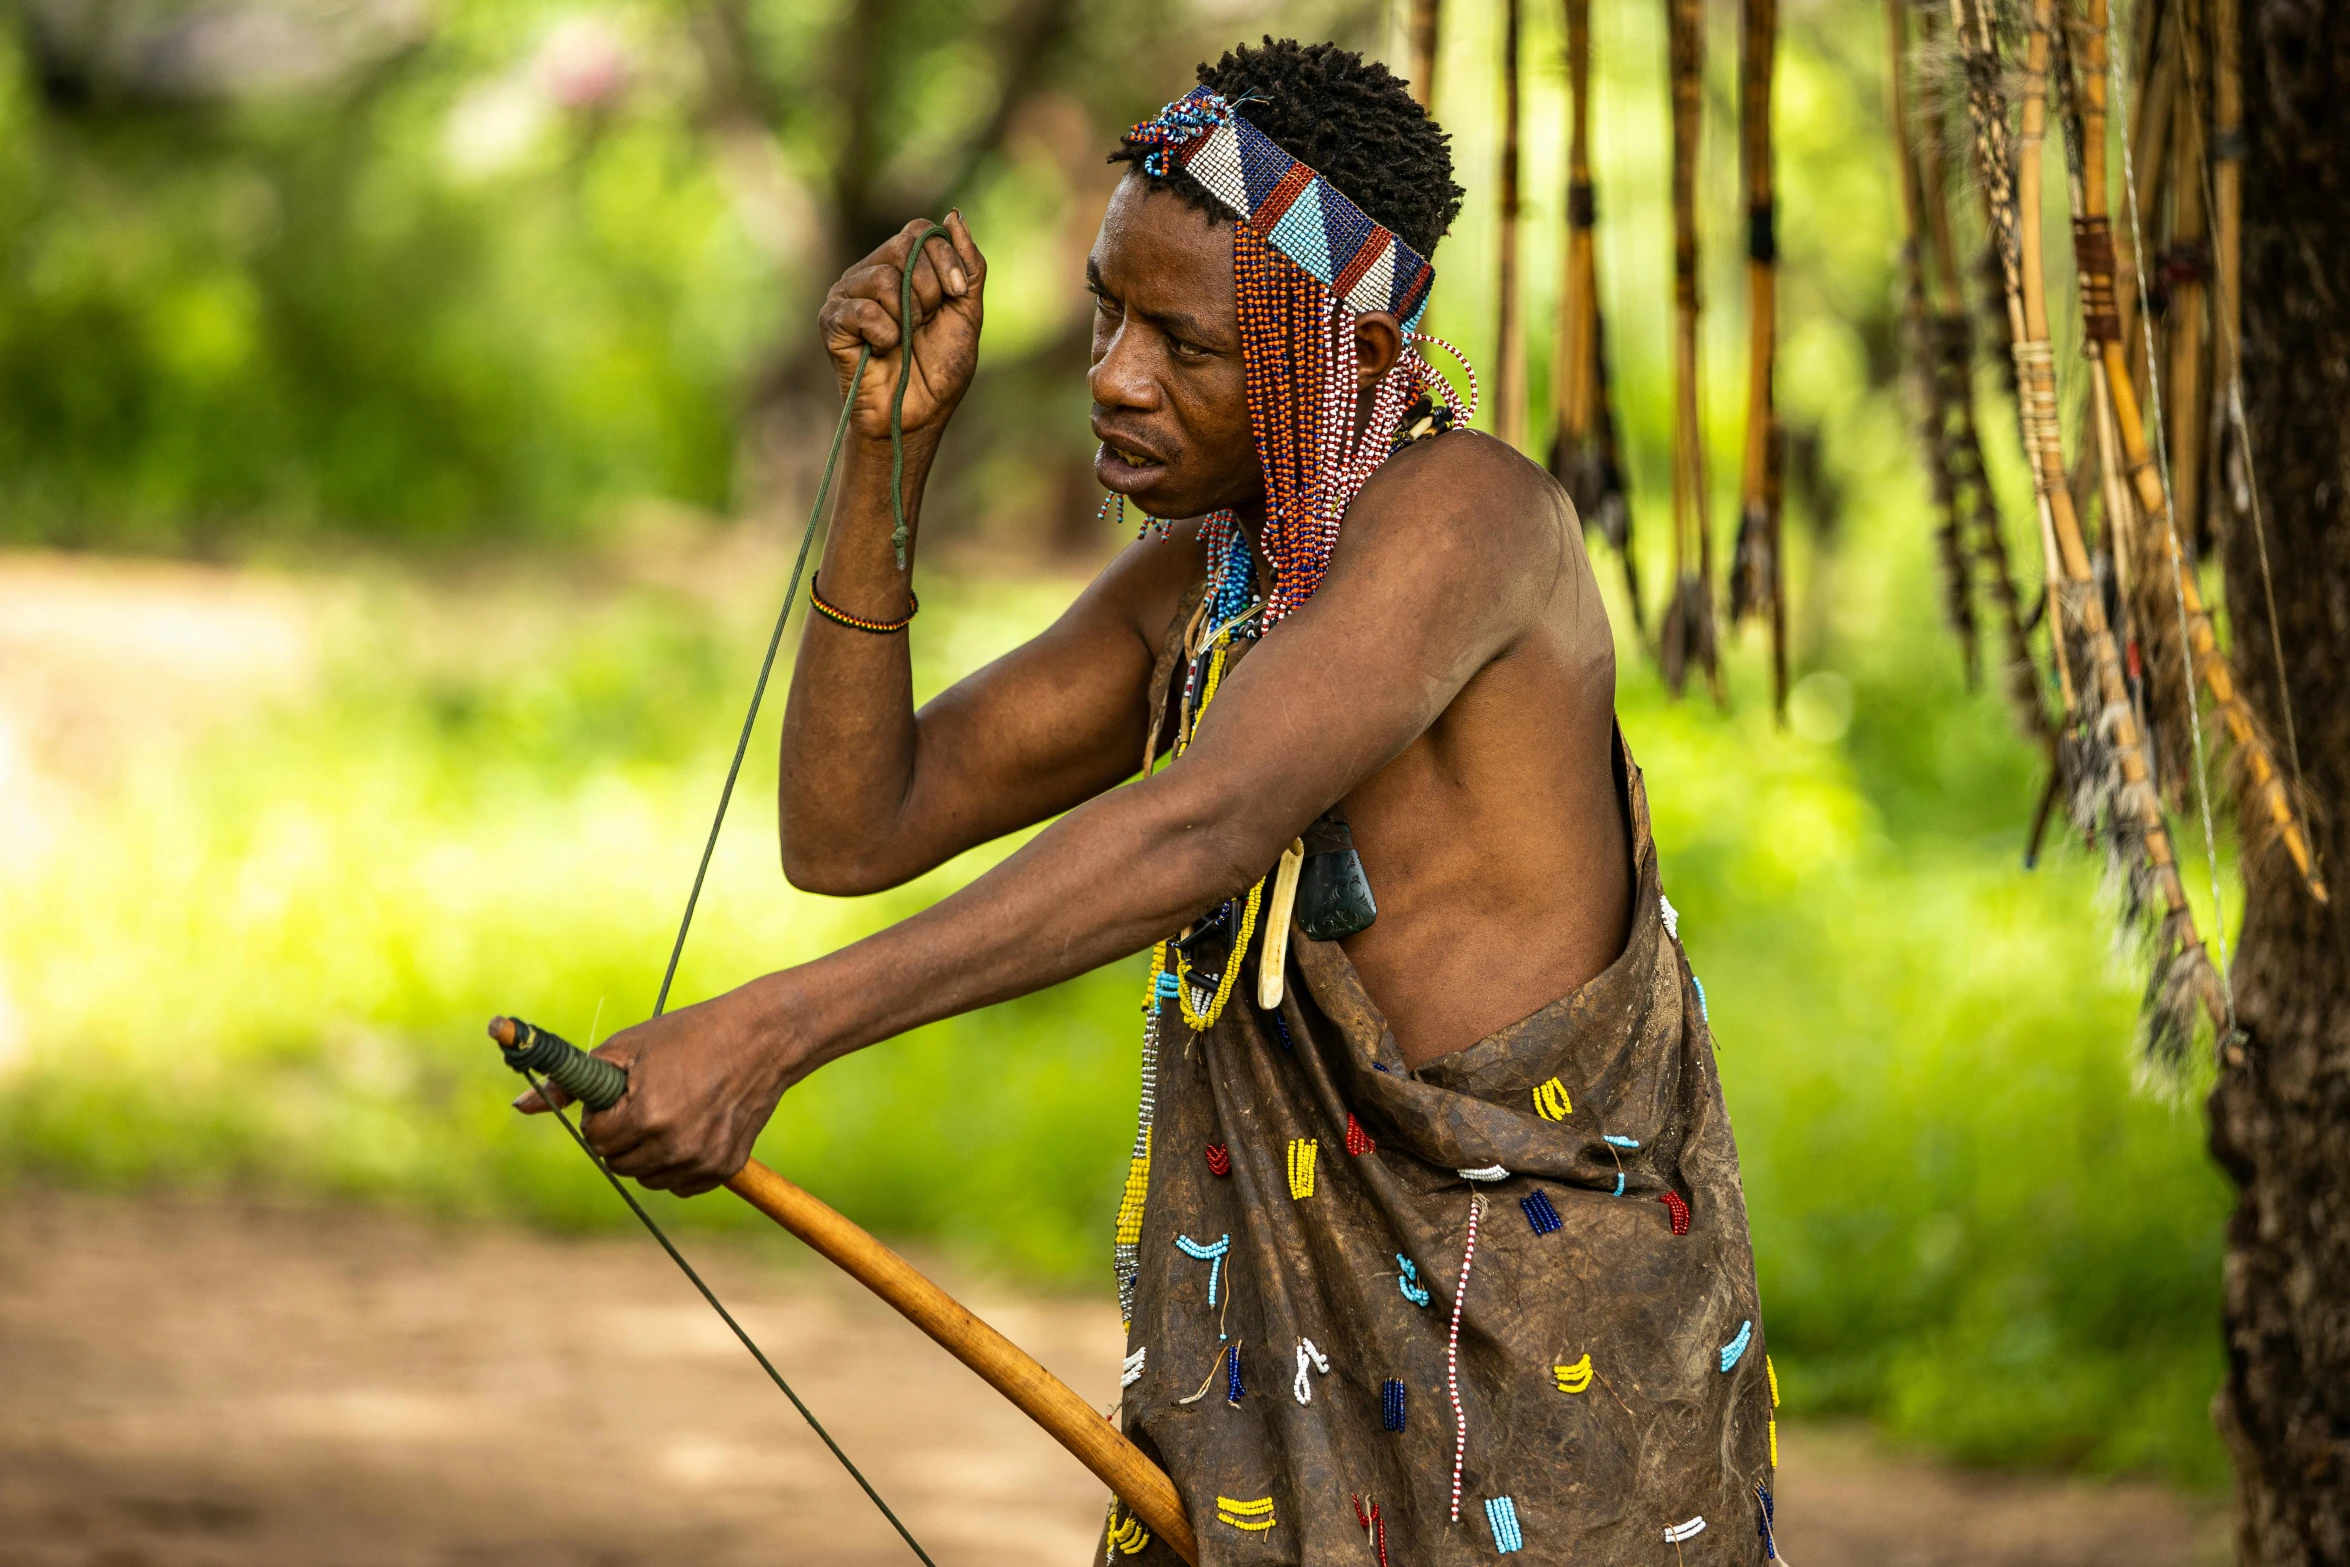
<point x="829" y="872"/>
<point x="1223" y="855"/>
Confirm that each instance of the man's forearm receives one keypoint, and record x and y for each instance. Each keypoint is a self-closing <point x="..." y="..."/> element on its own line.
<point x="860" y="567"/>
<point x="849" y="728"/>
<point x="1110" y="878"/>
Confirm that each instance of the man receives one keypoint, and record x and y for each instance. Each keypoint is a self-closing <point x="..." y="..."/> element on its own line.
<point x="1433" y="1243"/>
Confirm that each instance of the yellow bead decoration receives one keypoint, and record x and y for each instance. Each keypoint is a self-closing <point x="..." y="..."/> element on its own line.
<point x="1551" y="1102"/>
<point x="1301" y="1166"/>
<point x="1129" y="1537"/>
<point x="1575" y="1378"/>
<point x="1166" y="957"/>
<point x="1199" y="1022"/>
<point x="1138" y="1180"/>
<point x="1253" y="1516"/>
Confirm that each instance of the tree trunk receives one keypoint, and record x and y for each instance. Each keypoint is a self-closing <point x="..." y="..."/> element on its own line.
<point x="2280" y="1114"/>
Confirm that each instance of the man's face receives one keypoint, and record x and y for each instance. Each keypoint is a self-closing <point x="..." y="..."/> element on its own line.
<point x="1170" y="393"/>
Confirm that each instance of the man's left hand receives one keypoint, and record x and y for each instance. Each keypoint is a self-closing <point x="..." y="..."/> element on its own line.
<point x="702" y="1082"/>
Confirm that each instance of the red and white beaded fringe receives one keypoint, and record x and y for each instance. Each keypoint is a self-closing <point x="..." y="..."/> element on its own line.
<point x="1452" y="1358"/>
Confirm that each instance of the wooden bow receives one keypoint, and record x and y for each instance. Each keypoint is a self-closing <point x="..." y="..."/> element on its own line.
<point x="1003" y="1365"/>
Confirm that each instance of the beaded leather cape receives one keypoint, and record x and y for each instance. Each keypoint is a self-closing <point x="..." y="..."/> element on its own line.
<point x="1307" y="1215"/>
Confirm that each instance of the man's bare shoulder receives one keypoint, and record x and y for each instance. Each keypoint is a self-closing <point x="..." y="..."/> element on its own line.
<point x="1466" y="475"/>
<point x="1466" y="496"/>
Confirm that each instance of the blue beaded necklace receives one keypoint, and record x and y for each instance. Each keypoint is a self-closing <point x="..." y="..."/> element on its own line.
<point x="1231" y="570"/>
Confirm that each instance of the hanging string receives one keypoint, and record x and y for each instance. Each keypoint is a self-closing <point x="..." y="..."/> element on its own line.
<point x="2178" y="557"/>
<point x="727" y="1317"/>
<point x="906" y="319"/>
<point x="2268" y="587"/>
<point x="897" y="442"/>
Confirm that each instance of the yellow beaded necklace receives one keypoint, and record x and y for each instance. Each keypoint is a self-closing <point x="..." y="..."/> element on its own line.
<point x="1167" y="958"/>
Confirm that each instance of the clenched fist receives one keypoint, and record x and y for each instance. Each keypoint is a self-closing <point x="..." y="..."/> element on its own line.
<point x="861" y="311"/>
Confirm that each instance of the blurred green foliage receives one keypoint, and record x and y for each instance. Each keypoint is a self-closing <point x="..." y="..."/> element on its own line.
<point x="268" y="965"/>
<point x="499" y="269"/>
<point x="224" y="319"/>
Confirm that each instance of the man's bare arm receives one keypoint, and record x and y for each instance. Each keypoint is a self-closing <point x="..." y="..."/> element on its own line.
<point x="1444" y="565"/>
<point x="870" y="792"/>
<point x="874" y="792"/>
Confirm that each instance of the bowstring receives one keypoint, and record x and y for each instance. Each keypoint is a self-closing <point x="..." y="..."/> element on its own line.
<point x="742" y="745"/>
<point x="727" y="1317"/>
<point x="897" y="454"/>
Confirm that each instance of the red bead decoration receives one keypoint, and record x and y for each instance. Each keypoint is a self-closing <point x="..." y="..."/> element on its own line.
<point x="1220" y="1162"/>
<point x="1679" y="1209"/>
<point x="1374" y="1525"/>
<point x="1358" y="1141"/>
<point x="1297" y="341"/>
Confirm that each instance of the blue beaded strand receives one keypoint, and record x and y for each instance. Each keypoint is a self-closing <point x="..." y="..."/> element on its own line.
<point x="1391" y="1404"/>
<point x="1234" y="573"/>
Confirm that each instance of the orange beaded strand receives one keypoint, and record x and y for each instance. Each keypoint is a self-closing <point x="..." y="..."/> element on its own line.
<point x="842" y="617"/>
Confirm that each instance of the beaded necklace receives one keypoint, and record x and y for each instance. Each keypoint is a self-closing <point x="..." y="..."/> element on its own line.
<point x="1306" y="262"/>
<point x="1231" y="570"/>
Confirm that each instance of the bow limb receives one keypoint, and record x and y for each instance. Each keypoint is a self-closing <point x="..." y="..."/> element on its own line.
<point x="1000" y="1363"/>
<point x="1003" y="1365"/>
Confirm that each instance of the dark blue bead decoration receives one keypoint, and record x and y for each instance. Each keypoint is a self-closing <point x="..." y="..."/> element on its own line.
<point x="1540" y="1213"/>
<point x="1391" y="1404"/>
<point x="1232" y="1387"/>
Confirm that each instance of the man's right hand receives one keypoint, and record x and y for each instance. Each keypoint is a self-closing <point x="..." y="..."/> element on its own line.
<point x="861" y="311"/>
<point x="871" y="793"/>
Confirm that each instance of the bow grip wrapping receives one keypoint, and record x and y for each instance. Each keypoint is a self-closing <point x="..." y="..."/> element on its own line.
<point x="593" y="1081"/>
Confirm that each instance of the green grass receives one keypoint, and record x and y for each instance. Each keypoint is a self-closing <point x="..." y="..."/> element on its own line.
<point x="266" y="964"/>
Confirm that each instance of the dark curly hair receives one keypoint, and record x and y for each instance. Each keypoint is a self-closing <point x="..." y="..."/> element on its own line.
<point x="1350" y="120"/>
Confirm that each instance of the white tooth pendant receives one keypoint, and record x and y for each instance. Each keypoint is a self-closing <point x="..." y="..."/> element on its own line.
<point x="1273" y="958"/>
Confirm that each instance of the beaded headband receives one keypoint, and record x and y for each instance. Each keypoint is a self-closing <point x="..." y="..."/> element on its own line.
<point x="1300" y="213"/>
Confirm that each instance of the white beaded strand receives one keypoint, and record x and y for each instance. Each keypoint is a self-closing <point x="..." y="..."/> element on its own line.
<point x="1452" y="1358"/>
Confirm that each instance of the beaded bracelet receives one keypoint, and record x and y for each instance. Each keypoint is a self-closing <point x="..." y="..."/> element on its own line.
<point x="857" y="622"/>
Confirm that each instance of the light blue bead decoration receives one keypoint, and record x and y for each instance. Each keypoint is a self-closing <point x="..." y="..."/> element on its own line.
<point x="1737" y="1346"/>
<point x="1213" y="1256"/>
<point x="1409" y="1281"/>
<point x="1502" y="1513"/>
<point x="1623" y="1142"/>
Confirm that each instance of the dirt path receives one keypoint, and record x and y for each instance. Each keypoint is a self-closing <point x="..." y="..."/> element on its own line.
<point x="208" y="1383"/>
